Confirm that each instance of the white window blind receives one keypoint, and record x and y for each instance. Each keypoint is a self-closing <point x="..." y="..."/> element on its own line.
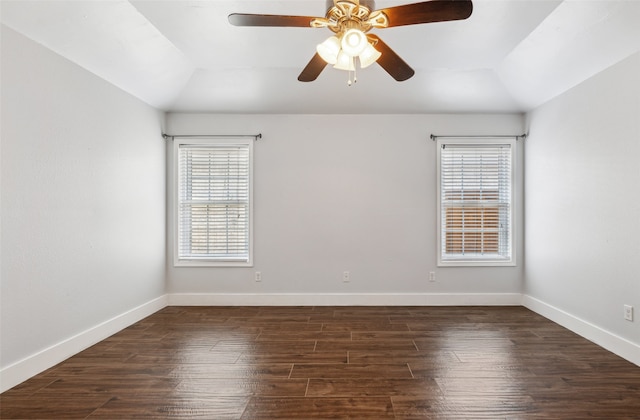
<point x="475" y="202"/>
<point x="214" y="202"/>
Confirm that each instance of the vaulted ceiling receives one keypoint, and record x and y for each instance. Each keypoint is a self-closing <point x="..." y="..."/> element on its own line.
<point x="183" y="55"/>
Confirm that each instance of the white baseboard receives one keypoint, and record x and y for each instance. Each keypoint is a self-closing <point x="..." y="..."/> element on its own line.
<point x="615" y="344"/>
<point x="24" y="369"/>
<point x="344" y="299"/>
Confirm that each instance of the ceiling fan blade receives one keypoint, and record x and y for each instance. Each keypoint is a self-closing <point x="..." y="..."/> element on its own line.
<point x="391" y="62"/>
<point x="428" y="11"/>
<point x="245" y="19"/>
<point x="313" y="69"/>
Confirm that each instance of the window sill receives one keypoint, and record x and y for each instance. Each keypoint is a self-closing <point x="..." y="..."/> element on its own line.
<point x="209" y="263"/>
<point x="476" y="263"/>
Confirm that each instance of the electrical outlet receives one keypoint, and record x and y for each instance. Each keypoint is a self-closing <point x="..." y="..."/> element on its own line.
<point x="346" y="277"/>
<point x="432" y="276"/>
<point x="628" y="312"/>
<point x="258" y="276"/>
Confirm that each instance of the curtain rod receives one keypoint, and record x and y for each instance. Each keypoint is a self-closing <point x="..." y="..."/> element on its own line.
<point x="255" y="136"/>
<point x="522" y="136"/>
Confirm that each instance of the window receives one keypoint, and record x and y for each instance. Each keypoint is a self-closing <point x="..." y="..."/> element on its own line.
<point x="475" y="202"/>
<point x="214" y="202"/>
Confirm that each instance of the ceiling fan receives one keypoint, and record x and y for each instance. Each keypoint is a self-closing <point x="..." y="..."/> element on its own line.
<point x="351" y="20"/>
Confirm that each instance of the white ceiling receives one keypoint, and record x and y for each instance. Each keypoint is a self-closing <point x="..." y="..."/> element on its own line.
<point x="183" y="55"/>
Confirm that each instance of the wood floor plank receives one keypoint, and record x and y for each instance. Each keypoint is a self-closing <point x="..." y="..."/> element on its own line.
<point x="171" y="408"/>
<point x="233" y="371"/>
<point x="261" y="387"/>
<point x="187" y="357"/>
<point x="351" y="370"/>
<point x="461" y="343"/>
<point x="29" y="387"/>
<point x="417" y="407"/>
<point x="265" y="346"/>
<point x="83" y="385"/>
<point x="378" y="408"/>
<point x="386" y="335"/>
<point x="362" y="325"/>
<point x="295" y="357"/>
<point x="408" y="356"/>
<point x="446" y="369"/>
<point x="68" y="407"/>
<point x="348" y="345"/>
<point x="114" y="370"/>
<point x="284" y="327"/>
<point x="335" y="363"/>
<point x="371" y="387"/>
<point x="304" y="336"/>
<point x="469" y="407"/>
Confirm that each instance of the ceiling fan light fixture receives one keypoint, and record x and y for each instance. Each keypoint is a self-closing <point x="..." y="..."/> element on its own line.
<point x="369" y="56"/>
<point x="329" y="49"/>
<point x="353" y="42"/>
<point x="345" y="62"/>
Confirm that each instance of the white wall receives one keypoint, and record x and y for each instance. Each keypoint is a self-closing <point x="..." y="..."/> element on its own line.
<point x="83" y="201"/>
<point x="582" y="225"/>
<point x="350" y="192"/>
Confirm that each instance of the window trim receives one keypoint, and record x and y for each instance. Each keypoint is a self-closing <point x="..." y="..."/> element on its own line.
<point x="477" y="262"/>
<point x="205" y="141"/>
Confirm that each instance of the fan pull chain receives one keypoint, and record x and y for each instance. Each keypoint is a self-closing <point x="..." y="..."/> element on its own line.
<point x="355" y="75"/>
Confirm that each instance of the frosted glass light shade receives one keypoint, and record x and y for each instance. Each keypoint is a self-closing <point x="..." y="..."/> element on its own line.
<point x="369" y="56"/>
<point x="353" y="42"/>
<point x="345" y="62"/>
<point x="329" y="49"/>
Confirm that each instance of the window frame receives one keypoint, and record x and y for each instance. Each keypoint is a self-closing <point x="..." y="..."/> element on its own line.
<point x="477" y="261"/>
<point x="214" y="141"/>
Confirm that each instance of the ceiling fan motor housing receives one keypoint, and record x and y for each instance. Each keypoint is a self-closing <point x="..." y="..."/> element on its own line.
<point x="351" y="14"/>
<point x="370" y="4"/>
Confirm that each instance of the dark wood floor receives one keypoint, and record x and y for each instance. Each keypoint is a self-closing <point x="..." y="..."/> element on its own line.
<point x="335" y="362"/>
